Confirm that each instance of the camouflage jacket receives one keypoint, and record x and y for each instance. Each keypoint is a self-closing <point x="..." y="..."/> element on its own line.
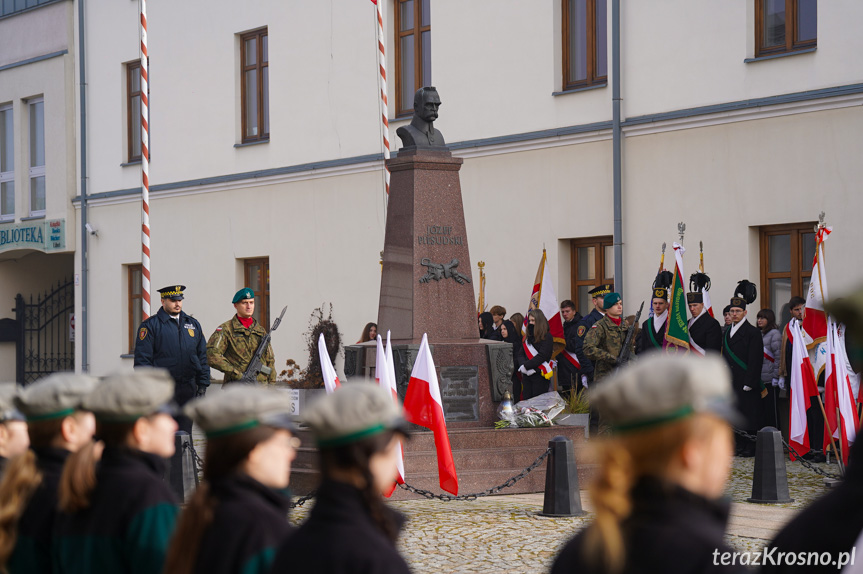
<point x="232" y="346"/>
<point x="602" y="345"/>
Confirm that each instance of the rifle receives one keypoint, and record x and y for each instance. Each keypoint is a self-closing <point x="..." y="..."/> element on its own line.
<point x="250" y="377"/>
<point x="626" y="351"/>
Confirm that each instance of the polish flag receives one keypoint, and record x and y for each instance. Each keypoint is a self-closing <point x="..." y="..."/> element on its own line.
<point x="424" y="407"/>
<point x="814" y="317"/>
<point x="544" y="299"/>
<point x="331" y="379"/>
<point x="802" y="387"/>
<point x="386" y="377"/>
<point x="838" y="395"/>
<point x="708" y="306"/>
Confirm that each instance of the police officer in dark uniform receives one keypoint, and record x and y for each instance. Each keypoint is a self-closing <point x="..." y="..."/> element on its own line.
<point x="175" y="341"/>
<point x="598" y="293"/>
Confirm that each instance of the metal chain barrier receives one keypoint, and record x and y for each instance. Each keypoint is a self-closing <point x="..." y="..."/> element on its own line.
<point x="199" y="462"/>
<point x="487" y="492"/>
<point x="788" y="448"/>
<point x="303" y="499"/>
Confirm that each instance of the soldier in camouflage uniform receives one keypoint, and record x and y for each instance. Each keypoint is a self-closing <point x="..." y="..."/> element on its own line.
<point x="604" y="340"/>
<point x="231" y="348"/>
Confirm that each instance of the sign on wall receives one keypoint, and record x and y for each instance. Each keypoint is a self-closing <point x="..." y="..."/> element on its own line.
<point x="44" y="235"/>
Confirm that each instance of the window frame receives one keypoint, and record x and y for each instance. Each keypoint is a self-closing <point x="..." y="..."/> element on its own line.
<point x="407" y="108"/>
<point x="791" y="43"/>
<point x="134" y="300"/>
<point x="37" y="171"/>
<point x="133" y="69"/>
<point x="8" y="176"/>
<point x="591" y="78"/>
<point x="262" y="297"/>
<point x="599" y="243"/>
<point x="799" y="269"/>
<point x="258" y="66"/>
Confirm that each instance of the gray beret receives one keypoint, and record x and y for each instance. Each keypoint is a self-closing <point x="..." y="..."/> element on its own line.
<point x="126" y="397"/>
<point x="241" y="407"/>
<point x="662" y="388"/>
<point x="8" y="410"/>
<point x="352" y="412"/>
<point x="57" y="395"/>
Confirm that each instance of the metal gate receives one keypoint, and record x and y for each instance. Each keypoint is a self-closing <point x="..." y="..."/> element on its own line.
<point x="45" y="333"/>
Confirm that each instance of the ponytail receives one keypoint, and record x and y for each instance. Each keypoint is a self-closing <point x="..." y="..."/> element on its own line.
<point x="21" y="480"/>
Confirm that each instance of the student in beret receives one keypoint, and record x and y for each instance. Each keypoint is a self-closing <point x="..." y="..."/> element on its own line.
<point x="662" y="471"/>
<point x="13" y="426"/>
<point x="239" y="515"/>
<point x="58" y="426"/>
<point x="118" y="516"/>
<point x="233" y="344"/>
<point x="358" y="429"/>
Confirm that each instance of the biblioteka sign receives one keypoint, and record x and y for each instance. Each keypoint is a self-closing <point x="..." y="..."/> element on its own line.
<point x="46" y="236"/>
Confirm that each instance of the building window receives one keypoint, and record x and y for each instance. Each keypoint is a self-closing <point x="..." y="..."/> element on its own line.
<point x="133" y="110"/>
<point x="413" y="52"/>
<point x="257" y="278"/>
<point x="37" y="157"/>
<point x="585" y="46"/>
<point x="592" y="265"/>
<point x="787" y="254"/>
<point x="7" y="165"/>
<point x="255" y="84"/>
<point x="785" y="26"/>
<point x="133" y="290"/>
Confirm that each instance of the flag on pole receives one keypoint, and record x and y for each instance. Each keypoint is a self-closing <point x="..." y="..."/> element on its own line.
<point x="814" y="317"/>
<point x="381" y="364"/>
<point x="389" y="382"/>
<point x="802" y="387"/>
<point x="838" y="396"/>
<point x="331" y="379"/>
<point x="677" y="328"/>
<point x="544" y="299"/>
<point x="424" y="407"/>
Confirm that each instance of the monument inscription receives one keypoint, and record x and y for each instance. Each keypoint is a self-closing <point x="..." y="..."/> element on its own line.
<point x="459" y="389"/>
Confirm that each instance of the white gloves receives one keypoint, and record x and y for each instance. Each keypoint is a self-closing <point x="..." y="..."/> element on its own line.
<point x="584" y="381"/>
<point x="781" y="383"/>
<point x="522" y="370"/>
<point x="747" y="388"/>
<point x="775" y="382"/>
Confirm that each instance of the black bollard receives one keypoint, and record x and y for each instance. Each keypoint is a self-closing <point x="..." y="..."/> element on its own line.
<point x="562" y="496"/>
<point x="182" y="474"/>
<point x="770" y="479"/>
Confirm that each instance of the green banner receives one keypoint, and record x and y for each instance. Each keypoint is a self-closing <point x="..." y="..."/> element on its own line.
<point x="43" y="235"/>
<point x="677" y="330"/>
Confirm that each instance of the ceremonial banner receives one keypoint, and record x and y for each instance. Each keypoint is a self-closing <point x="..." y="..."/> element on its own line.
<point x="385" y="374"/>
<point x="802" y="387"/>
<point x="838" y="396"/>
<point x="331" y="379"/>
<point x="677" y="329"/>
<point x="544" y="299"/>
<point x="814" y="318"/>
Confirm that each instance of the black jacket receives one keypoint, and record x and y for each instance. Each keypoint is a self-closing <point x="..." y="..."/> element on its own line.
<point x="130" y="520"/>
<point x="340" y="537"/>
<point x="179" y="346"/>
<point x="32" y="552"/>
<point x="707" y="333"/>
<point x="748" y="348"/>
<point x="670" y="530"/>
<point x="567" y="374"/>
<point x="250" y="521"/>
<point x="645" y="342"/>
<point x="581" y="331"/>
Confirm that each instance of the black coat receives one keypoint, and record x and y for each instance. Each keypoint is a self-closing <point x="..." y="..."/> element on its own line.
<point x="670" y="530"/>
<point x="536" y="384"/>
<point x="830" y="524"/>
<point x="567" y="374"/>
<point x="179" y="346"/>
<point x="645" y="342"/>
<point x="581" y="331"/>
<point x="748" y="347"/>
<point x="249" y="524"/>
<point x="340" y="537"/>
<point x="707" y="333"/>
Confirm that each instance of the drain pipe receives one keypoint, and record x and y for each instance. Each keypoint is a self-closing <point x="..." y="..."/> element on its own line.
<point x="82" y="332"/>
<point x="616" y="141"/>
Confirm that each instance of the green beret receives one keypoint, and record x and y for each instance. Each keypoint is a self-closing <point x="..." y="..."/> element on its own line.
<point x="57" y="395"/>
<point x="126" y="397"/>
<point x="238" y="408"/>
<point x="610" y="300"/>
<point x="244" y="293"/>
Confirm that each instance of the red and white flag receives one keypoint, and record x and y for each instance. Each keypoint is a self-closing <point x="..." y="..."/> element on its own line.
<point x="802" y="387"/>
<point x="838" y="395"/>
<point x="331" y="379"/>
<point x="544" y="299"/>
<point x="386" y="376"/>
<point x="814" y="317"/>
<point x="424" y="407"/>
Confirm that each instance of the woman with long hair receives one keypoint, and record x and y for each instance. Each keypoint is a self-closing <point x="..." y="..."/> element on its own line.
<point x="486" y="325"/>
<point x="118" y="516"/>
<point x="28" y="493"/>
<point x="536" y="352"/>
<point x="370" y="333"/>
<point x="657" y="495"/>
<point x="358" y="429"/>
<point x="771" y="337"/>
<point x="509" y="334"/>
<point x="238" y="516"/>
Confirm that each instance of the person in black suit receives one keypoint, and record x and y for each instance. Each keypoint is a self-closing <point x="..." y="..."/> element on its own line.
<point x="705" y="334"/>
<point x="743" y="351"/>
<point x="652" y="336"/>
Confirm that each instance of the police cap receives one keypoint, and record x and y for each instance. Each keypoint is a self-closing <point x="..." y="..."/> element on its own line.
<point x="174" y="292"/>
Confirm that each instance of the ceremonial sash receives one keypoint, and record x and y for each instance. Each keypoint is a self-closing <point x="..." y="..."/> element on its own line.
<point x="768" y="355"/>
<point x="650" y="332"/>
<point x="731" y="354"/>
<point x="695" y="347"/>
<point x="547" y="368"/>
<point x="572" y="358"/>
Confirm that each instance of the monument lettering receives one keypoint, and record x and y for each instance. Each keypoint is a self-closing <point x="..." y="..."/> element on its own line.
<point x="459" y="389"/>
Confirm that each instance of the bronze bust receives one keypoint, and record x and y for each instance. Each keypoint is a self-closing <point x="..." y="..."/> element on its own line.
<point x="421" y="133"/>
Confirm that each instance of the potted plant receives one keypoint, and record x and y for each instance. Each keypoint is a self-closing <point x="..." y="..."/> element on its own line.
<point x="576" y="412"/>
